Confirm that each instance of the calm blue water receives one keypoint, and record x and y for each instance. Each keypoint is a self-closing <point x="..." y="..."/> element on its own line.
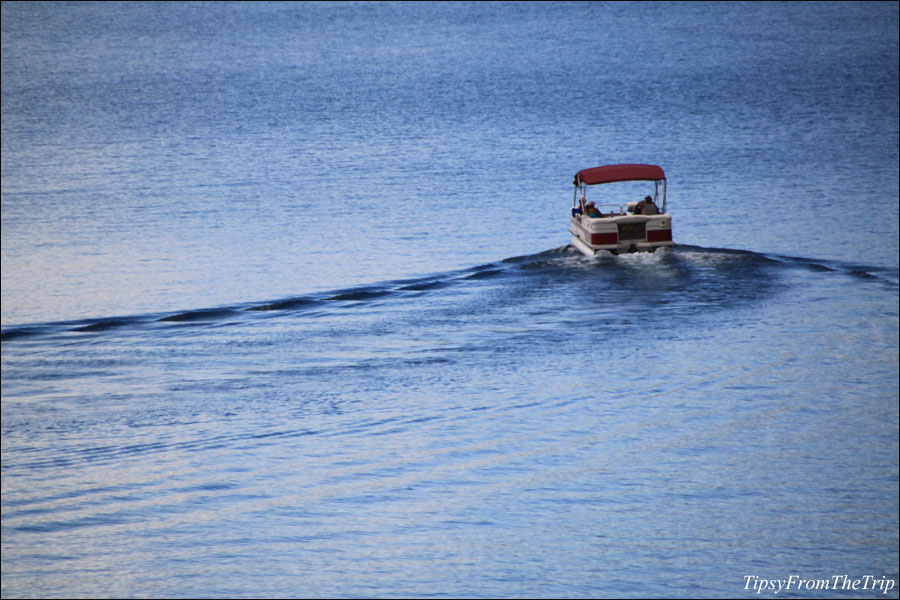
<point x="288" y="307"/>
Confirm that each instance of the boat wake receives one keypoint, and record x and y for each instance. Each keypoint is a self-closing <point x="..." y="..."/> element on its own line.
<point x="637" y="272"/>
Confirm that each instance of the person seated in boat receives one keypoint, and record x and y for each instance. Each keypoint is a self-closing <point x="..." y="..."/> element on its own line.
<point x="592" y="211"/>
<point x="579" y="210"/>
<point x="646" y="207"/>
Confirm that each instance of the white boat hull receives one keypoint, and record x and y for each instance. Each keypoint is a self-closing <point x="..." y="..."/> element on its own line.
<point x="621" y="233"/>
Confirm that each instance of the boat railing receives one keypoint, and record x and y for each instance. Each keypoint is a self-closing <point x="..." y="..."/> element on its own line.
<point x="611" y="210"/>
<point x="608" y="210"/>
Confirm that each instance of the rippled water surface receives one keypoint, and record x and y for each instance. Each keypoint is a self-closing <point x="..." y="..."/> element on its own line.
<point x="288" y="306"/>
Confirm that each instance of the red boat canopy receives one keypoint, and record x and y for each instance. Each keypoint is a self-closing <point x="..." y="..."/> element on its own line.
<point x="614" y="173"/>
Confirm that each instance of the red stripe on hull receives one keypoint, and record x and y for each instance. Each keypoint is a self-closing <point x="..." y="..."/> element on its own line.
<point x="659" y="235"/>
<point x="603" y="239"/>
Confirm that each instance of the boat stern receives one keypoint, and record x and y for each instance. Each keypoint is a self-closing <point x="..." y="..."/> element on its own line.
<point x="618" y="234"/>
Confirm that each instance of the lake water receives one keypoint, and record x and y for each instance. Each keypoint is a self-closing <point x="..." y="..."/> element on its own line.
<point x="288" y="306"/>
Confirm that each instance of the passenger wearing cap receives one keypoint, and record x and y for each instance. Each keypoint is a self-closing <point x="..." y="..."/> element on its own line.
<point x="591" y="210"/>
<point x="646" y="207"/>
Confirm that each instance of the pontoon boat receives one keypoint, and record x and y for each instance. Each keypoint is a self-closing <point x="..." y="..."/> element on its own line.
<point x="637" y="226"/>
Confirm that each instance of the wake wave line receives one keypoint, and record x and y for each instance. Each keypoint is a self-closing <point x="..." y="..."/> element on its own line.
<point x="549" y="259"/>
